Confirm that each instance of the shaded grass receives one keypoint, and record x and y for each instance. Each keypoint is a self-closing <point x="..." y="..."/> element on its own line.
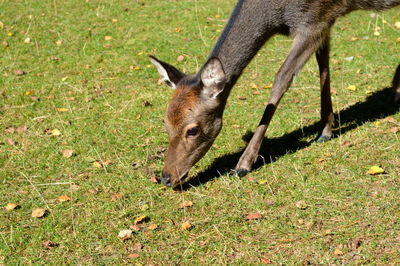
<point x="107" y="120"/>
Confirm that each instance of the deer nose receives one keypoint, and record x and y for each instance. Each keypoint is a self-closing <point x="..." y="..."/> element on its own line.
<point x="166" y="179"/>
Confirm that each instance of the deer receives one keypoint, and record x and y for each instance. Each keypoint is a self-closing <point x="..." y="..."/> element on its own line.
<point x="195" y="112"/>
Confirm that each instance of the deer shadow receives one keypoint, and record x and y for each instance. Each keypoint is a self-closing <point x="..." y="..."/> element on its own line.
<point x="377" y="105"/>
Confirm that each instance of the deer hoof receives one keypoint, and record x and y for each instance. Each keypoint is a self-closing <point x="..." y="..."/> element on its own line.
<point x="323" y="138"/>
<point x="241" y="172"/>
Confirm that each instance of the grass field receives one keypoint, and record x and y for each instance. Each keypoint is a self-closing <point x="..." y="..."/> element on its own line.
<point x="82" y="117"/>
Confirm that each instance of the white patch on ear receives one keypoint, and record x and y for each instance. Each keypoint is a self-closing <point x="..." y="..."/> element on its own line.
<point x="213" y="77"/>
<point x="163" y="72"/>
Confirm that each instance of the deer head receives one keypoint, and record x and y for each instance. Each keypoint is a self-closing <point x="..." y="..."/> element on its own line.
<point x="194" y="116"/>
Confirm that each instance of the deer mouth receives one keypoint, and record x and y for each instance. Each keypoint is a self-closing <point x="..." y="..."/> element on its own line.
<point x="181" y="180"/>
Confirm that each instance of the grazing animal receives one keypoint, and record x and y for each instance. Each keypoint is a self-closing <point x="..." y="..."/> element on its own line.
<point x="194" y="115"/>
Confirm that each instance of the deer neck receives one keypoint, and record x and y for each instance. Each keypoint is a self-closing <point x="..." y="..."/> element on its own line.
<point x="248" y="28"/>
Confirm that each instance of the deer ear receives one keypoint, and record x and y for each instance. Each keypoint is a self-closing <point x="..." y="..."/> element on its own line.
<point x="168" y="73"/>
<point x="213" y="77"/>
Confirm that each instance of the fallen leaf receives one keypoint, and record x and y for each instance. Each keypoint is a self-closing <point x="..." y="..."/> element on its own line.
<point x="397" y="24"/>
<point x="1" y="25"/>
<point x="146" y="103"/>
<point x="125" y="234"/>
<point x="352" y="88"/>
<point x="185" y="226"/>
<point x="180" y="58"/>
<point x="10" y="130"/>
<point x="114" y="20"/>
<point x="347" y="143"/>
<point x="107" y="38"/>
<point x="256" y="92"/>
<point x="152" y="227"/>
<point x="338" y="252"/>
<point x="266" y="261"/>
<point x="320" y="160"/>
<point x="141" y="219"/>
<point x="154" y="179"/>
<point x="11" y="206"/>
<point x="133" y="256"/>
<point x="28" y="93"/>
<point x="27" y="40"/>
<point x="58" y="42"/>
<point x="54" y="58"/>
<point x="68" y="153"/>
<point x="186" y="203"/>
<point x="394" y="130"/>
<point x="390" y="119"/>
<point x="19" y="72"/>
<point x="177" y="29"/>
<point x="49" y="244"/>
<point x="301" y="204"/>
<point x="62" y="110"/>
<point x="116" y="196"/>
<point x="55" y="132"/>
<point x="135" y="227"/>
<point x="97" y="164"/>
<point x="377" y="33"/>
<point x="355" y="244"/>
<point x="375" y="170"/>
<point x="241" y="98"/>
<point x="10" y="142"/>
<point x="254" y="216"/>
<point x="107" y="163"/>
<point x="38" y="213"/>
<point x="137" y="247"/>
<point x="63" y="198"/>
<point x="64" y="78"/>
<point x="22" y="129"/>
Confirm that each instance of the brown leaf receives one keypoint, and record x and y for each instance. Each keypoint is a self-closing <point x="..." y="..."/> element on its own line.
<point x="10" y="142"/>
<point x="22" y="129"/>
<point x="116" y="196"/>
<point x="97" y="164"/>
<point x="266" y="261"/>
<point x="20" y="72"/>
<point x="137" y="247"/>
<point x="12" y="206"/>
<point x="254" y="216"/>
<point x="355" y="244"/>
<point x="301" y="204"/>
<point x="154" y="179"/>
<point x="241" y="98"/>
<point x="186" y="203"/>
<point x="68" y="153"/>
<point x="152" y="227"/>
<point x="10" y="130"/>
<point x="394" y="130"/>
<point x="135" y="227"/>
<point x="63" y="198"/>
<point x="180" y="58"/>
<point x="39" y="213"/>
<point x="338" y="252"/>
<point x="347" y="143"/>
<point x="133" y="256"/>
<point x="49" y="244"/>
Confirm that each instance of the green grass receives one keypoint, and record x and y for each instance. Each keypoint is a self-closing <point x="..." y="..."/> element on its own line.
<point x="103" y="84"/>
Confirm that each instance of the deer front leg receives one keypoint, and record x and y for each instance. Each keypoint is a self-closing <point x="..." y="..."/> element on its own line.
<point x="326" y="102"/>
<point x="304" y="45"/>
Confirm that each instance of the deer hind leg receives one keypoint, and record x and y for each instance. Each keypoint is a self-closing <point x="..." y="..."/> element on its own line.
<point x="304" y="45"/>
<point x="396" y="85"/>
<point x="326" y="103"/>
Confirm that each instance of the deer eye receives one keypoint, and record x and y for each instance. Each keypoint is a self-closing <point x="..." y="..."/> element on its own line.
<point x="193" y="131"/>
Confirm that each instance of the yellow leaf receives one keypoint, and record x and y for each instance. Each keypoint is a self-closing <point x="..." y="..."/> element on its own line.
<point x="28" y="93"/>
<point x="397" y="24"/>
<point x="27" y="40"/>
<point x="11" y="206"/>
<point x="375" y="170"/>
<point x="63" y="198"/>
<point x="64" y="78"/>
<point x="352" y="88"/>
<point x="262" y="181"/>
<point x="140" y="219"/>
<point x="62" y="109"/>
<point x="1" y="25"/>
<point x="338" y="252"/>
<point x="377" y="33"/>
<point x="58" y="42"/>
<point x="97" y="164"/>
<point x="107" y="38"/>
<point x="114" y="20"/>
<point x="38" y="213"/>
<point x="302" y="205"/>
<point x="10" y="34"/>
<point x="185" y="226"/>
<point x="55" y="132"/>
